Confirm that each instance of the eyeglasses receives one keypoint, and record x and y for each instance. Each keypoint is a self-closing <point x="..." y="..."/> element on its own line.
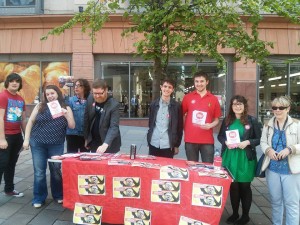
<point x="238" y="104"/>
<point x="78" y="85"/>
<point x="100" y="93"/>
<point x="279" y="107"/>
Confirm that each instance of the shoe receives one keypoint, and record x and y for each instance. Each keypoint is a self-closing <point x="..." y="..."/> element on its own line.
<point x="243" y="220"/>
<point x="60" y="201"/>
<point x="37" y="205"/>
<point x="15" y="194"/>
<point x="231" y="219"/>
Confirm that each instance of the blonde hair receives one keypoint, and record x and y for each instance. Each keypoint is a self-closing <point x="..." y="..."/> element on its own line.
<point x="282" y="100"/>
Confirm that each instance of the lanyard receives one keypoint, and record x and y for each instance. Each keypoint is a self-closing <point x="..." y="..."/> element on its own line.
<point x="280" y="131"/>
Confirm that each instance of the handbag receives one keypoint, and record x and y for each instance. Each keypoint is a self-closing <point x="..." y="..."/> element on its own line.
<point x="258" y="172"/>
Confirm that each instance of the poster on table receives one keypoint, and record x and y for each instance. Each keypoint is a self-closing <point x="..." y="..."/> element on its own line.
<point x="126" y="187"/>
<point x="207" y="195"/>
<point x="173" y="173"/>
<point x="87" y="214"/>
<point x="146" y="165"/>
<point x="91" y="184"/>
<point x="189" y="221"/>
<point x="137" y="216"/>
<point x="165" y="191"/>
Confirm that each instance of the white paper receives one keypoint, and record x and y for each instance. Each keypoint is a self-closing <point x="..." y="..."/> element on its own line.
<point x="233" y="136"/>
<point x="199" y="117"/>
<point x="55" y="109"/>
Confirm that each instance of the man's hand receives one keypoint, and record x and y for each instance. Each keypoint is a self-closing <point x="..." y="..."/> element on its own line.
<point x="3" y="144"/>
<point x="176" y="150"/>
<point x="102" y="148"/>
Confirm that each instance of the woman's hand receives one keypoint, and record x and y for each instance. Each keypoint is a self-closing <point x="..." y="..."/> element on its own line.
<point x="26" y="144"/>
<point x="272" y="154"/>
<point x="243" y="144"/>
<point x="283" y="154"/>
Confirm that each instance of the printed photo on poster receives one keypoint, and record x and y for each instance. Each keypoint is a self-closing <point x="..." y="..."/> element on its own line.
<point x="135" y="216"/>
<point x="207" y="195"/>
<point x="87" y="214"/>
<point x="188" y="221"/>
<point x="91" y="184"/>
<point x="173" y="173"/>
<point x="165" y="191"/>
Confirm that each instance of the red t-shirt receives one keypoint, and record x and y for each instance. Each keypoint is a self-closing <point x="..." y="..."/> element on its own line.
<point x="208" y="104"/>
<point x="14" y="106"/>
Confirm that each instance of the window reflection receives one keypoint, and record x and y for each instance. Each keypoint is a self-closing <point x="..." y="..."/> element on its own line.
<point x="19" y="2"/>
<point x="275" y="85"/>
<point x="131" y="84"/>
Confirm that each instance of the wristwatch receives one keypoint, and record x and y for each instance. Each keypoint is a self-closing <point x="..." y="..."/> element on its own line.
<point x="290" y="150"/>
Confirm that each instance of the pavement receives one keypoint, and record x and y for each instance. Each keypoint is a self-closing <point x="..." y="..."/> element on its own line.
<point x="19" y="211"/>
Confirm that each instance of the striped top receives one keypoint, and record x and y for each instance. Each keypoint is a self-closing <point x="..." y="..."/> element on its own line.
<point x="47" y="130"/>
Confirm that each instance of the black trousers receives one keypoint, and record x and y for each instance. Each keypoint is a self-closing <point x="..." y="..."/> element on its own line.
<point x="9" y="158"/>
<point x="167" y="152"/>
<point x="75" y="143"/>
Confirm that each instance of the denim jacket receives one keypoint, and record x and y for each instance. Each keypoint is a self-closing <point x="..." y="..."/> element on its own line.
<point x="78" y="108"/>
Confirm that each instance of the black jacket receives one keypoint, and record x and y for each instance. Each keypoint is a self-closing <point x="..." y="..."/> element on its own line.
<point x="175" y="129"/>
<point x="108" y="126"/>
<point x="252" y="134"/>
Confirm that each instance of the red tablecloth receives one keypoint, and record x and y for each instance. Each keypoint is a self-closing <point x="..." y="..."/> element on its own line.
<point x="162" y="213"/>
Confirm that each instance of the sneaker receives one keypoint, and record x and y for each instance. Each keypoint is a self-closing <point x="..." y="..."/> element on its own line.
<point x="37" y="205"/>
<point x="15" y="193"/>
<point x="60" y="201"/>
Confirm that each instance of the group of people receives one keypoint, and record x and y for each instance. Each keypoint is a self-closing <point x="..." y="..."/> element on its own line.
<point x="90" y="122"/>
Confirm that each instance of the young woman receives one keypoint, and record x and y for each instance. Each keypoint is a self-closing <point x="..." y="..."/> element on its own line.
<point x="280" y="142"/>
<point x="240" y="159"/>
<point x="46" y="136"/>
<point x="75" y="139"/>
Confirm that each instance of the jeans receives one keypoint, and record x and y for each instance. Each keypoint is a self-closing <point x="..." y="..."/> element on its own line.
<point x="8" y="160"/>
<point x="285" y="192"/>
<point x="40" y="155"/>
<point x="206" y="150"/>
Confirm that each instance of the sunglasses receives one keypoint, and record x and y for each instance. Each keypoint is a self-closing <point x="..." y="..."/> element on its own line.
<point x="279" y="107"/>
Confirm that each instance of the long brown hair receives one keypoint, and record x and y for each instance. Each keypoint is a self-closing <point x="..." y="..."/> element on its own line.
<point x="231" y="115"/>
<point x="60" y="98"/>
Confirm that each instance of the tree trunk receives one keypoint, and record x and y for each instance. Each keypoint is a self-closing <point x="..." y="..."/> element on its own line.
<point x="157" y="76"/>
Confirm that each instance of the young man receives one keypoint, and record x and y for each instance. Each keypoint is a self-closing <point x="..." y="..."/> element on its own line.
<point x="165" y="123"/>
<point x="201" y="111"/>
<point x="101" y="120"/>
<point x="12" y="122"/>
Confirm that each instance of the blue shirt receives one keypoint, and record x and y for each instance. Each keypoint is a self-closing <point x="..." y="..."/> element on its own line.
<point x="160" y="138"/>
<point x="278" y="144"/>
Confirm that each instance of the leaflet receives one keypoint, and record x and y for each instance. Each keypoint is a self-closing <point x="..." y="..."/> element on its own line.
<point x="55" y="109"/>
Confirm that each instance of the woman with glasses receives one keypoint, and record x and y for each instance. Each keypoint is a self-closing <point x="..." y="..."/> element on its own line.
<point x="240" y="158"/>
<point x="75" y="139"/>
<point x="280" y="142"/>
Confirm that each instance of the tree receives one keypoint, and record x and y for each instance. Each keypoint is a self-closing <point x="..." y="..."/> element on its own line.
<point x="172" y="28"/>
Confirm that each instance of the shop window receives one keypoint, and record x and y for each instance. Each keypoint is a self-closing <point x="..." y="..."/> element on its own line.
<point x="35" y="75"/>
<point x="285" y="80"/>
<point x="131" y="84"/>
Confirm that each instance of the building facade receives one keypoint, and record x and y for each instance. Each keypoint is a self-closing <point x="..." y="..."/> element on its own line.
<point x="23" y="23"/>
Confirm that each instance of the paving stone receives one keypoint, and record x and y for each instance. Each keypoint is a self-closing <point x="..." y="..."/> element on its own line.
<point x="9" y="209"/>
<point x="45" y="217"/>
<point x="19" y="219"/>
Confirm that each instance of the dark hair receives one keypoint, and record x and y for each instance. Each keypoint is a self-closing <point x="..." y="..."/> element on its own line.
<point x="169" y="81"/>
<point x="11" y="77"/>
<point x="231" y="115"/>
<point x="100" y="83"/>
<point x="201" y="74"/>
<point x="60" y="97"/>
<point x="86" y="86"/>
